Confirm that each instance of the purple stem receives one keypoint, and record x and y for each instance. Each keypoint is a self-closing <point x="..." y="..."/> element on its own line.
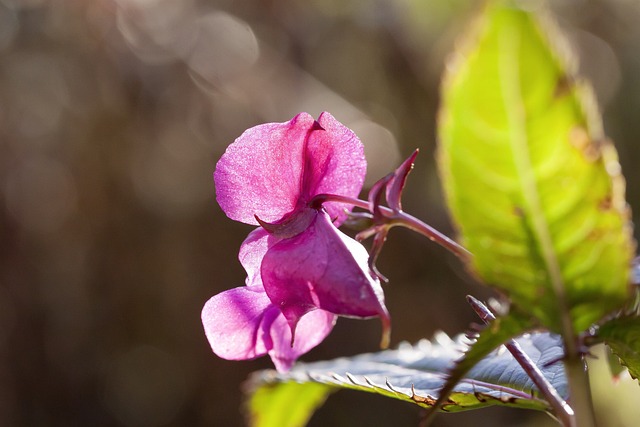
<point x="561" y="409"/>
<point x="402" y="219"/>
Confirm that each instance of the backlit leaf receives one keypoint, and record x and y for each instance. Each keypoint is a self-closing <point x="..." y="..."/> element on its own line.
<point x="533" y="184"/>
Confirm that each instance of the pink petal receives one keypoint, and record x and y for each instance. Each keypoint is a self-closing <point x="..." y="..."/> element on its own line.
<point x="242" y="323"/>
<point x="312" y="329"/>
<point x="260" y="173"/>
<point x="233" y="320"/>
<point x="335" y="164"/>
<point x="322" y="268"/>
<point x="273" y="168"/>
<point x="251" y="253"/>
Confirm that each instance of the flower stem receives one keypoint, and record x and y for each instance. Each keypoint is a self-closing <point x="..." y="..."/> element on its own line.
<point x="400" y="218"/>
<point x="431" y="233"/>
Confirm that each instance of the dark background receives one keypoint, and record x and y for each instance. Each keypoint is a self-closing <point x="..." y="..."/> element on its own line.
<point x="112" y="116"/>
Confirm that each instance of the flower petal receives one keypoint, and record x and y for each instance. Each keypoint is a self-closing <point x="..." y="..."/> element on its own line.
<point x="242" y="323"/>
<point x="251" y="253"/>
<point x="334" y="164"/>
<point x="233" y="321"/>
<point x="272" y="169"/>
<point x="312" y="329"/>
<point x="260" y="173"/>
<point x="322" y="268"/>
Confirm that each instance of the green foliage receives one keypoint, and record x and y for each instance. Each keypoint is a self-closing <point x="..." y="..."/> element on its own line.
<point x="533" y="185"/>
<point x="492" y="337"/>
<point x="413" y="373"/>
<point x="289" y="404"/>
<point x="622" y="335"/>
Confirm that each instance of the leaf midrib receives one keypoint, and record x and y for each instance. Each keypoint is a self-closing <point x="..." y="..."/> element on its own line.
<point x="510" y="87"/>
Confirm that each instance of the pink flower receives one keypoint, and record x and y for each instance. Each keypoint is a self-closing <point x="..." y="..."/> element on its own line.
<point x="301" y="270"/>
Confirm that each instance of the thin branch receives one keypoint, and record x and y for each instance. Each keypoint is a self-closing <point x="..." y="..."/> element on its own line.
<point x="403" y="219"/>
<point x="561" y="409"/>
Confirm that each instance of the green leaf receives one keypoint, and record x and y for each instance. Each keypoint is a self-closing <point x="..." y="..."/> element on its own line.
<point x="498" y="332"/>
<point x="534" y="186"/>
<point x="412" y="373"/>
<point x="288" y="404"/>
<point x="622" y="335"/>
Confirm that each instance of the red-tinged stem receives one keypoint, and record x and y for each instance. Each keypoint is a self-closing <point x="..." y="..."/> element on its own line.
<point x="400" y="218"/>
<point x="561" y="409"/>
<point x="413" y="223"/>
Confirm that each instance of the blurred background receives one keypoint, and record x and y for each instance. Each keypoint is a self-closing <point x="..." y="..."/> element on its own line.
<point x="112" y="117"/>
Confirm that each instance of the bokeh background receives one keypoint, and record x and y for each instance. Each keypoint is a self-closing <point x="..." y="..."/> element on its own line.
<point x="112" y="116"/>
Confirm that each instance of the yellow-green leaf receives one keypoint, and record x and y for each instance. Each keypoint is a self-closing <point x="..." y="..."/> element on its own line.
<point x="534" y="186"/>
<point x="289" y="404"/>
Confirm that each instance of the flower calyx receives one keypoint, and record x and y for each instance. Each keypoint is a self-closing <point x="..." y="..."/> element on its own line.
<point x="382" y="218"/>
